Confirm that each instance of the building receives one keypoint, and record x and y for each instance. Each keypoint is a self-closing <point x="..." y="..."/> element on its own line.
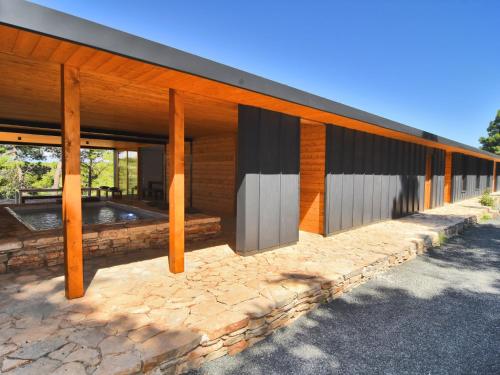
<point x="276" y="159"/>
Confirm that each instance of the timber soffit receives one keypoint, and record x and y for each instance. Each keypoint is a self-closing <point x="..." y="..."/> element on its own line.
<point x="46" y="21"/>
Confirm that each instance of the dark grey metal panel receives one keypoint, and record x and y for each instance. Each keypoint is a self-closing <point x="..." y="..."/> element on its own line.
<point x="385" y="178"/>
<point x="248" y="180"/>
<point x="337" y="142"/>
<point x="368" y="170"/>
<point x="497" y="183"/>
<point x="268" y="179"/>
<point x="358" y="175"/>
<point x="404" y="179"/>
<point x="393" y="183"/>
<point x="290" y="184"/>
<point x="348" y="179"/>
<point x="368" y="179"/>
<point x="377" y="178"/>
<point x="151" y="165"/>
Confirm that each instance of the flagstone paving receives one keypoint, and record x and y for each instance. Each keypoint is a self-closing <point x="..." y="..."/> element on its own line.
<point x="136" y="317"/>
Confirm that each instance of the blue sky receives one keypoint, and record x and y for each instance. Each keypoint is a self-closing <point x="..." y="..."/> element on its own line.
<point x="434" y="65"/>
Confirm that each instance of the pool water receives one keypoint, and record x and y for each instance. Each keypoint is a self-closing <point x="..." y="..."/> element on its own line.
<point x="49" y="216"/>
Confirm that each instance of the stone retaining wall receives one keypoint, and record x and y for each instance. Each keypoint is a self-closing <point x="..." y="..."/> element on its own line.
<point x="229" y="335"/>
<point x="45" y="249"/>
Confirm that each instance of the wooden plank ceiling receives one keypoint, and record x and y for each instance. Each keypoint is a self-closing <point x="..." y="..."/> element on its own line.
<point x="125" y="94"/>
<point x="116" y="93"/>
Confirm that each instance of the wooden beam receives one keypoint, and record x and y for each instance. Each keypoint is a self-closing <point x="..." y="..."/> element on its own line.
<point x="176" y="182"/>
<point x="428" y="179"/>
<point x="72" y="195"/>
<point x="447" y="177"/>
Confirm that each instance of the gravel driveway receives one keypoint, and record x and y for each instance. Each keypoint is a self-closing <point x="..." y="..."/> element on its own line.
<point x="438" y="314"/>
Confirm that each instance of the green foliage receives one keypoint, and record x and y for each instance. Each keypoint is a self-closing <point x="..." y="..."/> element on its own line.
<point x="486" y="199"/>
<point x="491" y="143"/>
<point x="442" y="238"/>
<point x="40" y="167"/>
<point x="485" y="217"/>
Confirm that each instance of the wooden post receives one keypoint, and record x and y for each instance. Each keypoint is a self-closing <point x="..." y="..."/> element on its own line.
<point x="176" y="182"/>
<point x="72" y="194"/>
<point x="428" y="179"/>
<point x="447" y="177"/>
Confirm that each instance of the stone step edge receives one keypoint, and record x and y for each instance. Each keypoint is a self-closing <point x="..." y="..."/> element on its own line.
<point x="248" y="332"/>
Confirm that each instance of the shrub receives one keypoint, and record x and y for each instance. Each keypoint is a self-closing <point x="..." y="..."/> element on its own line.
<point x="486" y="199"/>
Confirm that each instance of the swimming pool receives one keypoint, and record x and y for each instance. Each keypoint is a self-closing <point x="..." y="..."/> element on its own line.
<point x="48" y="216"/>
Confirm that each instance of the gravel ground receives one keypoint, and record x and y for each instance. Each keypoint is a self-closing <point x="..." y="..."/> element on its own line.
<point x="438" y="314"/>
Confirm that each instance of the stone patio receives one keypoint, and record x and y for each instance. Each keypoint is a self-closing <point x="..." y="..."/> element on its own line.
<point x="136" y="317"/>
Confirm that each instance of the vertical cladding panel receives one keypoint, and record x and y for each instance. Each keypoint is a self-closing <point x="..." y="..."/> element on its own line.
<point x="290" y="184"/>
<point x="414" y="174"/>
<point x="497" y="177"/>
<point x="268" y="179"/>
<point x="456" y="173"/>
<point x="399" y="173"/>
<point x="470" y="168"/>
<point x="348" y="179"/>
<point x="421" y="178"/>
<point x="337" y="154"/>
<point x="270" y="182"/>
<point x="377" y="178"/>
<point x="368" y="179"/>
<point x="247" y="218"/>
<point x="358" y="177"/>
<point x="393" y="192"/>
<point x="385" y="177"/>
<point x="404" y="179"/>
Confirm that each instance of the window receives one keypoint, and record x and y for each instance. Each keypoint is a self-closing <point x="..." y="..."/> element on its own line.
<point x="488" y="181"/>
<point x="127" y="172"/>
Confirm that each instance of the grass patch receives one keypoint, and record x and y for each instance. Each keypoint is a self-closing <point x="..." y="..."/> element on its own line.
<point x="442" y="239"/>
<point x="486" y="199"/>
<point x="485" y="217"/>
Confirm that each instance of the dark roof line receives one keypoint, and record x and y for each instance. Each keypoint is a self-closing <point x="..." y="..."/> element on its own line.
<point x="42" y="20"/>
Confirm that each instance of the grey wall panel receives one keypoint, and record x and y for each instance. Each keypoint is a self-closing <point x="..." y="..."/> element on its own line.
<point x="385" y="178"/>
<point x="393" y="183"/>
<point x="471" y="168"/>
<point x="369" y="178"/>
<point x="437" y="173"/>
<point x="421" y="177"/>
<point x="358" y="174"/>
<point x="290" y="183"/>
<point x="347" y="179"/>
<point x="268" y="179"/>
<point x="377" y="177"/>
<point x="248" y="180"/>
<point x="497" y="183"/>
<point x="152" y="166"/>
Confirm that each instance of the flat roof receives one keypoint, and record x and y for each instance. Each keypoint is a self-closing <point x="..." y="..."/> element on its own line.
<point x="50" y="22"/>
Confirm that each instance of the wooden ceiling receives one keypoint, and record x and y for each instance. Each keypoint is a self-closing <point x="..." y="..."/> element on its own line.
<point x="115" y="92"/>
<point x="120" y="93"/>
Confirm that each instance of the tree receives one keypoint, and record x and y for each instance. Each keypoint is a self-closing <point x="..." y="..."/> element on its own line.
<point x="491" y="143"/>
<point x="93" y="164"/>
<point x="20" y="166"/>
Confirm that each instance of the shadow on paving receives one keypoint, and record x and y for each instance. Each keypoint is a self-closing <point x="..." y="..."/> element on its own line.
<point x="438" y="314"/>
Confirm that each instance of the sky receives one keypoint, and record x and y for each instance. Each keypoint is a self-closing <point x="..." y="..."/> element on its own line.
<point x="434" y="65"/>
